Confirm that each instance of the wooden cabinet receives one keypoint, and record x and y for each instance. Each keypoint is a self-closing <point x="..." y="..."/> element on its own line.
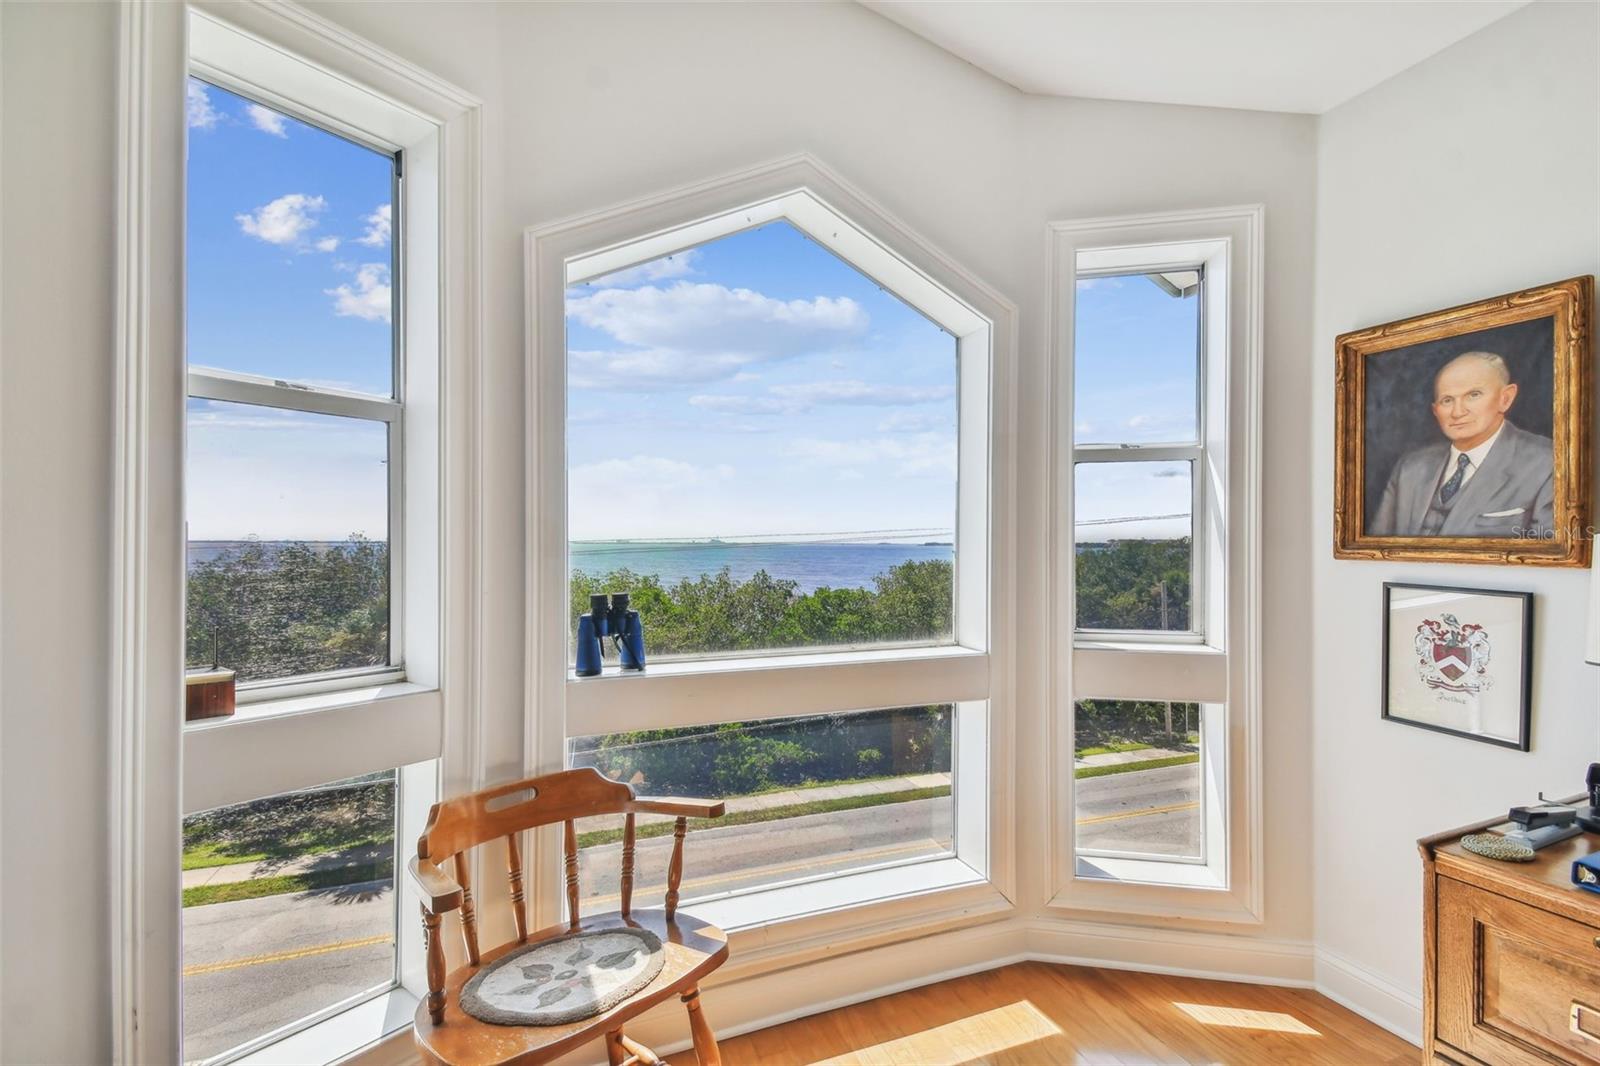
<point x="1511" y="957"/>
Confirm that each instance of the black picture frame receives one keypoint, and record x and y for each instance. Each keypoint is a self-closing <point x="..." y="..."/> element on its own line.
<point x="1523" y="648"/>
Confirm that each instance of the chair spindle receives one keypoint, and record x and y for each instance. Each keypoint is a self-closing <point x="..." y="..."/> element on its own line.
<point x="519" y="908"/>
<point x="469" y="913"/>
<point x="627" y="865"/>
<point x="571" y="843"/>
<point x="675" y="869"/>
<point x="435" y="954"/>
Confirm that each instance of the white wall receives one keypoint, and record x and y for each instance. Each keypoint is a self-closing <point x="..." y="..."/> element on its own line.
<point x="55" y="512"/>
<point x="585" y="105"/>
<point x="1472" y="174"/>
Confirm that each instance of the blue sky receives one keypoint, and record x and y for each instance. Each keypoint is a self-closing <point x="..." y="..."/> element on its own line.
<point x="288" y="278"/>
<point x="756" y="385"/>
<point x="1134" y="382"/>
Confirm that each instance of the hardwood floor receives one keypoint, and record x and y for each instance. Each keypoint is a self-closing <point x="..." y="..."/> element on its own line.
<point x="1037" y="1013"/>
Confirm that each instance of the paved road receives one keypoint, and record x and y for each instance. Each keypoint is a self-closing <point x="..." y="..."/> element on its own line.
<point x="257" y="964"/>
<point x="254" y="965"/>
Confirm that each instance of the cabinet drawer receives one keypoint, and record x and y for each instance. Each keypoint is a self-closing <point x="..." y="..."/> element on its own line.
<point x="1516" y="984"/>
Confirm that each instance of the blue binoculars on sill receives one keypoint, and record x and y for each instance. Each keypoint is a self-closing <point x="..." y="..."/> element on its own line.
<point x="609" y="619"/>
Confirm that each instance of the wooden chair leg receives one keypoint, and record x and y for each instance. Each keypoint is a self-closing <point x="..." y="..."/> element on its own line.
<point x="705" y="1041"/>
<point x="435" y="956"/>
<point x="616" y="1054"/>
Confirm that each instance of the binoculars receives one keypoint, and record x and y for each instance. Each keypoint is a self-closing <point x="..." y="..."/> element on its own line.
<point x="613" y="620"/>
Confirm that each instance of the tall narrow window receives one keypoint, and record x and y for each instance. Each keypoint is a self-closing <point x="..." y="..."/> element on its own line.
<point x="1157" y="666"/>
<point x="295" y="513"/>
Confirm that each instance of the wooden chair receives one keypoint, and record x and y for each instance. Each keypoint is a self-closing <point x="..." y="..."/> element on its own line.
<point x="447" y="1034"/>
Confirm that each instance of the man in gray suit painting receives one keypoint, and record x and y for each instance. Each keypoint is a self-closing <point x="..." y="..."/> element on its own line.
<point x="1486" y="479"/>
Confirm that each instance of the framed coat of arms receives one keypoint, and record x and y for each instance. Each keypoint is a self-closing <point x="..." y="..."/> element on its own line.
<point x="1458" y="661"/>
<point x="1463" y="435"/>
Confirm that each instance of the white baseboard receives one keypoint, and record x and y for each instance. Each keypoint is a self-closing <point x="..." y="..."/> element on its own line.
<point x="1375" y="998"/>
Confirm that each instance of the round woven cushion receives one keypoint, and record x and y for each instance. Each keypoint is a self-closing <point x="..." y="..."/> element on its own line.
<point x="564" y="980"/>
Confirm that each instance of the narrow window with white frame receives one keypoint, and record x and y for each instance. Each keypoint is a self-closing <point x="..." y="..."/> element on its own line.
<point x="313" y="597"/>
<point x="1157" y="369"/>
<point x="776" y="444"/>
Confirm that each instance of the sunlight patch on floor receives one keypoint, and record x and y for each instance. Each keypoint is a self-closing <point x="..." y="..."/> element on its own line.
<point x="973" y="1037"/>
<point x="1238" y="1018"/>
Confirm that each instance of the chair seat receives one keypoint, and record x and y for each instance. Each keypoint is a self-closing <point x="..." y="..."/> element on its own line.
<point x="693" y="949"/>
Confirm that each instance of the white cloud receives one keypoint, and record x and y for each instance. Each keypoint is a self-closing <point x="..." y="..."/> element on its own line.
<point x="743" y="405"/>
<point x="267" y="120"/>
<point x="667" y="267"/>
<point x="909" y="456"/>
<point x="328" y="244"/>
<point x="859" y="392"/>
<point x="1099" y="283"/>
<point x="689" y="333"/>
<point x="652" y="470"/>
<point x="197" y="106"/>
<point x="368" y="298"/>
<point x="915" y="421"/>
<point x="790" y="399"/>
<point x="378" y="226"/>
<point x="285" y="220"/>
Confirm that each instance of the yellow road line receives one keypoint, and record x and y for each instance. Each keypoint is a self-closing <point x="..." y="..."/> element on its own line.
<point x="285" y="956"/>
<point x="1139" y="813"/>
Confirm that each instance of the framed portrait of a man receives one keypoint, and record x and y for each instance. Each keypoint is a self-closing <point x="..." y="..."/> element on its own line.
<point x="1463" y="435"/>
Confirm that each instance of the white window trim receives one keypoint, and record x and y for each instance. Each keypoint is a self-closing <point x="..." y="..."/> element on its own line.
<point x="439" y="126"/>
<point x="977" y="666"/>
<point x="1223" y="672"/>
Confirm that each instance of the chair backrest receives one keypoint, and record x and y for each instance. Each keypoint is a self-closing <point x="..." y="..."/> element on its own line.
<point x="456" y="826"/>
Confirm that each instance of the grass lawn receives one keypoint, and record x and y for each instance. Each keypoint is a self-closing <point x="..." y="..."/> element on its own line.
<point x="283" y="884"/>
<point x="1130" y="767"/>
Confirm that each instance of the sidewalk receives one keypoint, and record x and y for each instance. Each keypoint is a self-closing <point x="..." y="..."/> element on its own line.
<point x="1115" y="758"/>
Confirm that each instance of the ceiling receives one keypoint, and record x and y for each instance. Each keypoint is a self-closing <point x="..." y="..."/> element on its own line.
<point x="1283" y="55"/>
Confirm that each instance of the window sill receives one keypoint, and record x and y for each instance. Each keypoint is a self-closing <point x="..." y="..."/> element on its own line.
<point x="364" y="695"/>
<point x="712" y="691"/>
<point x="343" y="1037"/>
<point x="737" y="664"/>
<point x="1163" y="645"/>
<point x="1123" y="871"/>
<point x="281" y="745"/>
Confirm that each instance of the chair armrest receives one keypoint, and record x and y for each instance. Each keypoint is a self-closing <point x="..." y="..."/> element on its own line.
<point x="681" y="808"/>
<point x="439" y="891"/>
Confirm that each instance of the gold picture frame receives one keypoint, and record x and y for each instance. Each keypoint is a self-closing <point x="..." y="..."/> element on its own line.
<point x="1401" y="396"/>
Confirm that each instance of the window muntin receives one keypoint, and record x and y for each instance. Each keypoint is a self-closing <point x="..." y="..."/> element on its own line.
<point x="808" y="797"/>
<point x="288" y="912"/>
<point x="762" y="449"/>
<point x="1139" y="780"/>
<point x="289" y="251"/>
<point x="293" y="475"/>
<point x="1138" y="452"/>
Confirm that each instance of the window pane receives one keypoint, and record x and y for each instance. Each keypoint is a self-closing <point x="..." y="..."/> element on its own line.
<point x="807" y="797"/>
<point x="1134" y="545"/>
<point x="1136" y="359"/>
<point x="288" y="908"/>
<point x="1138" y="779"/>
<point x="288" y="566"/>
<point x="288" y="247"/>
<point x="762" y="450"/>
